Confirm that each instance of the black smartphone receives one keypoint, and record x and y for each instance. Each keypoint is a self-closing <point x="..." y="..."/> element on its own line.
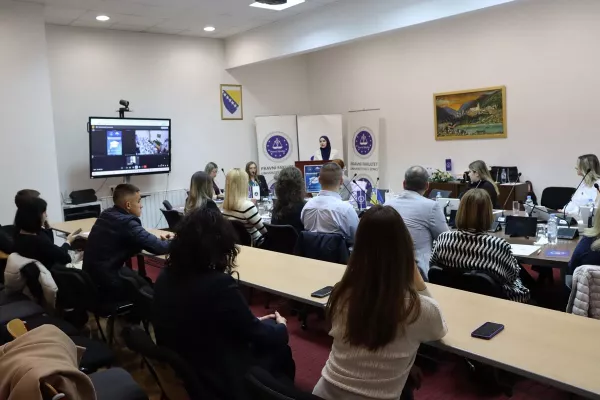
<point x="487" y="330"/>
<point x="319" y="294"/>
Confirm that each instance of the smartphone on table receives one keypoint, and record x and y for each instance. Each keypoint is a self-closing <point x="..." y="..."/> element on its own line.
<point x="487" y="331"/>
<point x="321" y="293"/>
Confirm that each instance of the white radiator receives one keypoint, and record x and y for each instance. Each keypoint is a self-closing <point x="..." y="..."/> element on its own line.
<point x="152" y="218"/>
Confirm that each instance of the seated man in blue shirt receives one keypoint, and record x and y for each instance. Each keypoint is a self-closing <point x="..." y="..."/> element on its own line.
<point x="423" y="217"/>
<point x="327" y="213"/>
<point x="117" y="236"/>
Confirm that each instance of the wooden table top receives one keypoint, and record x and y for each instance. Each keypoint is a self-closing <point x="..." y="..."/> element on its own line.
<point x="541" y="344"/>
<point x="72" y="226"/>
<point x="542" y="259"/>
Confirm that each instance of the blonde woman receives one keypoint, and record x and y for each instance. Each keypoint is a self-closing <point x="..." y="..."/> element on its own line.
<point x="480" y="177"/>
<point x="588" y="167"/>
<point x="238" y="207"/>
<point x="201" y="192"/>
<point x="587" y="251"/>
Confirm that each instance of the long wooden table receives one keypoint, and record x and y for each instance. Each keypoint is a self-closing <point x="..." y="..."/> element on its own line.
<point x="552" y="347"/>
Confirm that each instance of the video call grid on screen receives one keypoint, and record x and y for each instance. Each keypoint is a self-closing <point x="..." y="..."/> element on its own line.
<point x="129" y="146"/>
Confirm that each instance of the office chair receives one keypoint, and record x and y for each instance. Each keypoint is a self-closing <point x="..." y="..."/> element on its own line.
<point x="173" y="217"/>
<point x="280" y="238"/>
<point x="329" y="247"/>
<point x="167" y="205"/>
<point x="142" y="296"/>
<point x="556" y="198"/>
<point x="262" y="385"/>
<point x="162" y="363"/>
<point x="244" y="238"/>
<point x="471" y="281"/>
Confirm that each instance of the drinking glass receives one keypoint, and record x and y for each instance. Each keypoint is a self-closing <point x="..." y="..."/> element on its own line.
<point x="541" y="232"/>
<point x="516" y="208"/>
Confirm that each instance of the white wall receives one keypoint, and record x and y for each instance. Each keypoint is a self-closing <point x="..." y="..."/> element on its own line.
<point x="337" y="23"/>
<point x="28" y="157"/>
<point x="544" y="51"/>
<point x="162" y="76"/>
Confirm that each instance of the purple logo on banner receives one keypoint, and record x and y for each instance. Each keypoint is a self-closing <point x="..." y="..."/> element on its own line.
<point x="448" y="165"/>
<point x="277" y="146"/>
<point x="364" y="142"/>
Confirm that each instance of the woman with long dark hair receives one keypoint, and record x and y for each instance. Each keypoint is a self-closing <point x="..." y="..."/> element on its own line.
<point x="201" y="314"/>
<point x="380" y="312"/>
<point x="325" y="152"/>
<point x="255" y="179"/>
<point x="289" y="188"/>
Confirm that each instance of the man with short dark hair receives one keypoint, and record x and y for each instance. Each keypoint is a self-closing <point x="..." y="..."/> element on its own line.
<point x="327" y="213"/>
<point x="423" y="217"/>
<point x="117" y="236"/>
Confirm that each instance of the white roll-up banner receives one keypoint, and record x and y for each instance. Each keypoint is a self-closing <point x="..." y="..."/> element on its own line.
<point x="320" y="137"/>
<point x="363" y="147"/>
<point x="277" y="139"/>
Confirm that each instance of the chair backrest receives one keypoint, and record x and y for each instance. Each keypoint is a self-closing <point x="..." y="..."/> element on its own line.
<point x="470" y="281"/>
<point x="75" y="288"/>
<point x="556" y="197"/>
<point x="142" y="295"/>
<point x="31" y="274"/>
<point x="173" y="217"/>
<point x="330" y="247"/>
<point x="167" y="205"/>
<point x="140" y="342"/>
<point x="280" y="238"/>
<point x="244" y="237"/>
<point x="261" y="385"/>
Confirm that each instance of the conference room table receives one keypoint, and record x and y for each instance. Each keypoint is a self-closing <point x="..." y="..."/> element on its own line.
<point x="551" y="347"/>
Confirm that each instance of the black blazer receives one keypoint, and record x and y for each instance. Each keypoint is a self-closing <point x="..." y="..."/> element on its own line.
<point x="291" y="217"/>
<point x="488" y="187"/>
<point x="262" y="183"/>
<point x="204" y="318"/>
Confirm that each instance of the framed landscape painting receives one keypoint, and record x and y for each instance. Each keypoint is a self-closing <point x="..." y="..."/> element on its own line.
<point x="470" y="114"/>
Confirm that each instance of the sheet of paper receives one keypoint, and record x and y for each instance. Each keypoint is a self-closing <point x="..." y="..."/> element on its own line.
<point x="523" y="249"/>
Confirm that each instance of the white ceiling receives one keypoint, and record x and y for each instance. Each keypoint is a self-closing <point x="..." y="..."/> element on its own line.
<point x="177" y="17"/>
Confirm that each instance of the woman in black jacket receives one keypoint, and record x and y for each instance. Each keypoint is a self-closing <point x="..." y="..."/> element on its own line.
<point x="480" y="177"/>
<point x="255" y="179"/>
<point x="201" y="314"/>
<point x="289" y="188"/>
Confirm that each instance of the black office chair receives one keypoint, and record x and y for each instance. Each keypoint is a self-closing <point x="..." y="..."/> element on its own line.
<point x="76" y="290"/>
<point x="142" y="296"/>
<point x="330" y="247"/>
<point x="280" y="238"/>
<point x="471" y="281"/>
<point x="159" y="359"/>
<point x="173" y="218"/>
<point x="261" y="385"/>
<point x="556" y="197"/>
<point x="167" y="205"/>
<point x="244" y="238"/>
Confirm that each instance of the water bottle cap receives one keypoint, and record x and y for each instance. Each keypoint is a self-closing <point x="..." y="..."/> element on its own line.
<point x="528" y="197"/>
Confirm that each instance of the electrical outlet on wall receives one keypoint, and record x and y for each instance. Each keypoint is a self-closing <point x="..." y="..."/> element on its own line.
<point x="112" y="189"/>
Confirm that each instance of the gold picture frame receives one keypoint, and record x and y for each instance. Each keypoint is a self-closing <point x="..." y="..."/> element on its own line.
<point x="232" y="105"/>
<point x="470" y="114"/>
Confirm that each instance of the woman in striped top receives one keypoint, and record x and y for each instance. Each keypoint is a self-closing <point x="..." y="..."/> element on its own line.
<point x="238" y="207"/>
<point x="471" y="248"/>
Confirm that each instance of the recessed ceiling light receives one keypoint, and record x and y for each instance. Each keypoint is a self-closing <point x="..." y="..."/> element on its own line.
<point x="290" y="3"/>
<point x="103" y="18"/>
<point x="209" y="28"/>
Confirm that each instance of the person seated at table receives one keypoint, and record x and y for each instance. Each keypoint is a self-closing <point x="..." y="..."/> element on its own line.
<point x="423" y="217"/>
<point x="21" y="198"/>
<point x="237" y="206"/>
<point x="470" y="247"/>
<point x="380" y="312"/>
<point x="201" y="192"/>
<point x="117" y="236"/>
<point x="480" y="177"/>
<point x="30" y="242"/>
<point x="327" y="213"/>
<point x="212" y="169"/>
<point x="588" y="166"/>
<point x="223" y="340"/>
<point x="289" y="189"/>
<point x="531" y="193"/>
<point x="257" y="180"/>
<point x="346" y="184"/>
<point x="587" y="251"/>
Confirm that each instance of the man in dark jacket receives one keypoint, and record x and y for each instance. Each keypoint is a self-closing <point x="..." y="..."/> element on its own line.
<point x="117" y="236"/>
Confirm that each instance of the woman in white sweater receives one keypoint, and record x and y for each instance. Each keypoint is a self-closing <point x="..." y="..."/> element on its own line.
<point x="237" y="205"/>
<point x="380" y="313"/>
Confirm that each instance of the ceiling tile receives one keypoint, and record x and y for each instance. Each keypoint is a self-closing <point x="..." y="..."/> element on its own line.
<point x="125" y="27"/>
<point x="61" y="15"/>
<point x="167" y="31"/>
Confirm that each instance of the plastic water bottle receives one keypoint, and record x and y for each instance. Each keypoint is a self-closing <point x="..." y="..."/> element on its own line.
<point x="552" y="231"/>
<point x="590" y="221"/>
<point x="438" y="195"/>
<point x="503" y="176"/>
<point x="529" y="202"/>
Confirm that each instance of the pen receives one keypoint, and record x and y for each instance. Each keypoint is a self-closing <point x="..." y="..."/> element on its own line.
<point x="539" y="251"/>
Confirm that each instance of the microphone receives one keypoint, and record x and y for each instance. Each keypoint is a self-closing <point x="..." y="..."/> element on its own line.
<point x="575" y="192"/>
<point x="446" y="208"/>
<point x="350" y="191"/>
<point x="508" y="197"/>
